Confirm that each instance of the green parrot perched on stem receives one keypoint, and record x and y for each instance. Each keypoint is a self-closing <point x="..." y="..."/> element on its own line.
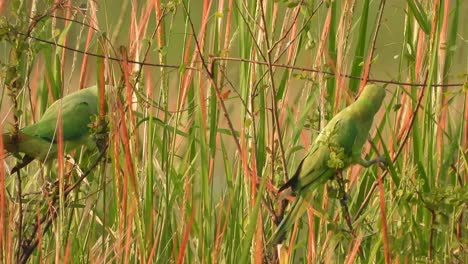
<point x="39" y="141"/>
<point x="338" y="146"/>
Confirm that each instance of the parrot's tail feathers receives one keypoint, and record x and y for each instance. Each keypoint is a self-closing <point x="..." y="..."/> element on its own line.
<point x="26" y="160"/>
<point x="293" y="181"/>
<point x="8" y="145"/>
<point x="5" y="152"/>
<point x="15" y="144"/>
<point x="287" y="185"/>
<point x="297" y="210"/>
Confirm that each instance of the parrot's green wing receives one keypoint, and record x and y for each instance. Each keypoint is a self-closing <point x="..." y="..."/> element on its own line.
<point x="332" y="150"/>
<point x="76" y="109"/>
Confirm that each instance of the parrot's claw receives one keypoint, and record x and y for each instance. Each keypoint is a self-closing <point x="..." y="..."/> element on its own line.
<point x="344" y="199"/>
<point x="382" y="161"/>
<point x="48" y="186"/>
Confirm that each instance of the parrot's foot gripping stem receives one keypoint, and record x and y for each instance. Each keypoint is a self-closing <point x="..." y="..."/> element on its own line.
<point x="381" y="160"/>
<point x="344" y="200"/>
<point x="367" y="163"/>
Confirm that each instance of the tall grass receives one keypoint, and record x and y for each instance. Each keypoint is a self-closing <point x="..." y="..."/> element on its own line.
<point x="218" y="103"/>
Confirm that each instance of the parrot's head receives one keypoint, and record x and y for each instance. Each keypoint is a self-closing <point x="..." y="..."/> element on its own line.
<point x="372" y="96"/>
<point x="373" y="92"/>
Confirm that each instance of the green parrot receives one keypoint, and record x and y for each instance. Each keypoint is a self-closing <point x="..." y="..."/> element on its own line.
<point x="39" y="141"/>
<point x="337" y="146"/>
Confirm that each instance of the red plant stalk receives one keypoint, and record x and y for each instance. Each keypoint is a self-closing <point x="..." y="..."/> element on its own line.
<point x="386" y="243"/>
<point x="258" y="239"/>
<point x="89" y="37"/>
<point x="318" y="58"/>
<point x="258" y="254"/>
<point x="125" y="140"/>
<point x="65" y="39"/>
<point x="121" y="185"/>
<point x="128" y="233"/>
<point x="3" y="208"/>
<point x="66" y="256"/>
<point x="155" y="245"/>
<point x="221" y="230"/>
<point x="39" y="233"/>
<point x="343" y="34"/>
<point x="61" y="180"/>
<point x="188" y="228"/>
<point x="443" y="101"/>
<point x="312" y="245"/>
<point x="33" y="91"/>
<point x="201" y="42"/>
<point x="143" y="24"/>
<point x="161" y="30"/>
<point x="351" y="257"/>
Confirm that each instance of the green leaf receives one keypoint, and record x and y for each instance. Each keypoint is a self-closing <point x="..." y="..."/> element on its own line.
<point x="421" y="17"/>
<point x="292" y="4"/>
